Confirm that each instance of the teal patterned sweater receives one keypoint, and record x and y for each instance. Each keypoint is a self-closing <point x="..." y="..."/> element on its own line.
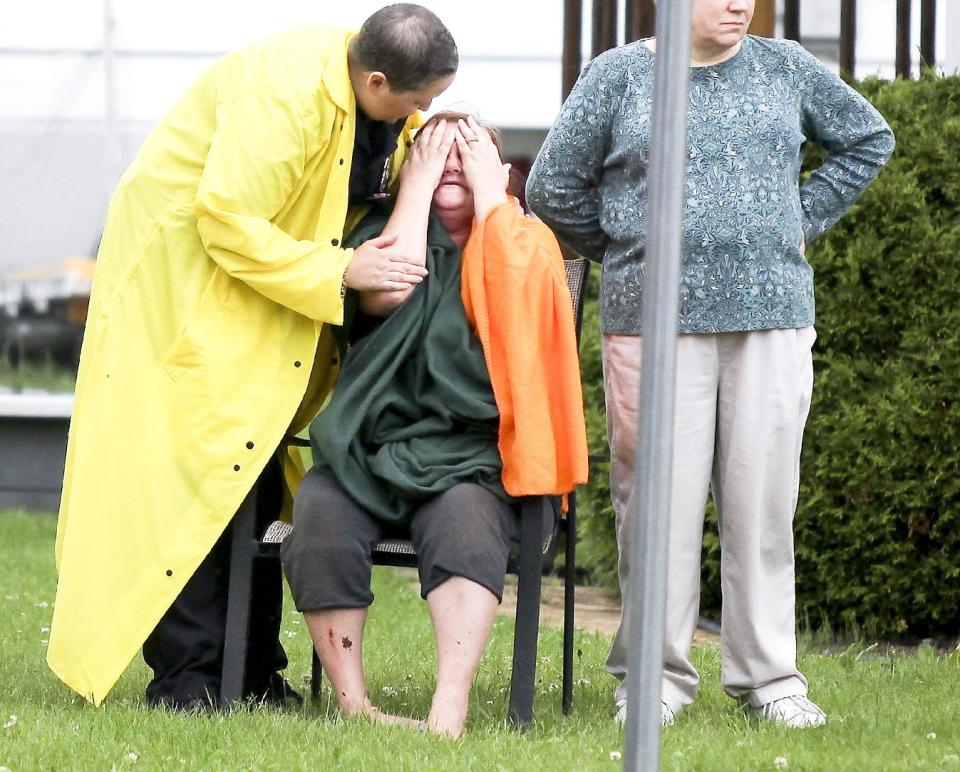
<point x="746" y="215"/>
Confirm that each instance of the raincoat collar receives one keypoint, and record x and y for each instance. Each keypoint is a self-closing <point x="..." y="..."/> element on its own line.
<point x="336" y="75"/>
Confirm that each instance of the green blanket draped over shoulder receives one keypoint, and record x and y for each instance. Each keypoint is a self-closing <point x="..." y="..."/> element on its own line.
<point x="413" y="411"/>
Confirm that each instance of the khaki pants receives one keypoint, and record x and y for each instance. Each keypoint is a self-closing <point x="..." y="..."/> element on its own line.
<point x="741" y="404"/>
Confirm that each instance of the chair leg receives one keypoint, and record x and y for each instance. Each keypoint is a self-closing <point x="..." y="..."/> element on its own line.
<point x="316" y="678"/>
<point x="243" y="551"/>
<point x="569" y="588"/>
<point x="523" y="678"/>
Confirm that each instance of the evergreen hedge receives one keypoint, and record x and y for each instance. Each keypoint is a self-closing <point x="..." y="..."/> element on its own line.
<point x="878" y="523"/>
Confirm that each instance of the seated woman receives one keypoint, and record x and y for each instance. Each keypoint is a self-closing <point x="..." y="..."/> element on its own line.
<point x="457" y="397"/>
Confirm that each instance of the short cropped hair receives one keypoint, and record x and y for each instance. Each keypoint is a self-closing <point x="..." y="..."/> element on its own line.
<point x="408" y="44"/>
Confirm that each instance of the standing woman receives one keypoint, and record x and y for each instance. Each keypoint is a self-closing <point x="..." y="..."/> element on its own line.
<point x="744" y="363"/>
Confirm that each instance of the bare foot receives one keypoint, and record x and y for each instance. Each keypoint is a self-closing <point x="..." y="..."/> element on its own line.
<point x="388" y="718"/>
<point x="367" y="709"/>
<point x="448" y="716"/>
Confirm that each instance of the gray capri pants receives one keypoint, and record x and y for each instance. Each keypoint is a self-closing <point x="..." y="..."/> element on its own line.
<point x="328" y="557"/>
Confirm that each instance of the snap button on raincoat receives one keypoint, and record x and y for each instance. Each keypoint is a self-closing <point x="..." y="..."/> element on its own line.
<point x="207" y="336"/>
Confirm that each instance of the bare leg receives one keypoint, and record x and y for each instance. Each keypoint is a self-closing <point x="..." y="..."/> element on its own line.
<point x="462" y="612"/>
<point x="338" y="638"/>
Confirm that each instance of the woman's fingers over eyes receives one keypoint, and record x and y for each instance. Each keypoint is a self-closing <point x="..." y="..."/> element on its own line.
<point x="466" y="132"/>
<point x="475" y="127"/>
<point x="449" y="135"/>
<point x="438" y="138"/>
<point x="427" y="138"/>
<point x="424" y="135"/>
<point x="473" y="131"/>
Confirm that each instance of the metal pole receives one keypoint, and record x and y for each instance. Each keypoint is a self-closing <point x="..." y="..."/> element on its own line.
<point x="572" y="30"/>
<point x="928" y="33"/>
<point x="848" y="37"/>
<point x="903" y="38"/>
<point x="645" y="604"/>
<point x="640" y="20"/>
<point x="791" y="19"/>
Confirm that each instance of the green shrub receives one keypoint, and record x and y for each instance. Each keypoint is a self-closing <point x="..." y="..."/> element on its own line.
<point x="878" y="524"/>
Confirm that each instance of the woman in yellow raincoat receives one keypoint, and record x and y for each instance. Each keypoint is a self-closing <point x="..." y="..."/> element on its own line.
<point x="208" y="336"/>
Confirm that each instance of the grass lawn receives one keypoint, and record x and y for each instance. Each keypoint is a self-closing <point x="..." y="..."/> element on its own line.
<point x="891" y="712"/>
<point x="43" y="375"/>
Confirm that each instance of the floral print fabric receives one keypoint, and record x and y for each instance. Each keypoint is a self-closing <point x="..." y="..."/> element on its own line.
<point x="746" y="216"/>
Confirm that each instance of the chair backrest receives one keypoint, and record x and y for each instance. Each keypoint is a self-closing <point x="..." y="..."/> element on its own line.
<point x="577" y="270"/>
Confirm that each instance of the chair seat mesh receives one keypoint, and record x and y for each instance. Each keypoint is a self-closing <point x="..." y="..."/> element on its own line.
<point x="277" y="532"/>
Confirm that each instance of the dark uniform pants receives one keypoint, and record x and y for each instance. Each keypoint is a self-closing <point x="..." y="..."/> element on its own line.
<point x="185" y="650"/>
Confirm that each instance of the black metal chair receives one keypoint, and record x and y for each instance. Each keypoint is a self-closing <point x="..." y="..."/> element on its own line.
<point x="535" y="547"/>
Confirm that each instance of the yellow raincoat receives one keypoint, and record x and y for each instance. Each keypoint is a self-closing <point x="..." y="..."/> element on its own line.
<point x="207" y="337"/>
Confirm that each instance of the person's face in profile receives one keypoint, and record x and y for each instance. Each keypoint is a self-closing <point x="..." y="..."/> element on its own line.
<point x="379" y="101"/>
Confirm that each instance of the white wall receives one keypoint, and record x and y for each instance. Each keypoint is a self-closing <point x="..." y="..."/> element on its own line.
<point x="951" y="27"/>
<point x="57" y="166"/>
<point x="510" y="52"/>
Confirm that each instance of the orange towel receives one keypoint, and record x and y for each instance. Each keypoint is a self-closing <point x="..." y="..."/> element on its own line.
<point x="515" y="294"/>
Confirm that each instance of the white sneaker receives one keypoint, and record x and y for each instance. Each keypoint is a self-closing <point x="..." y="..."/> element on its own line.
<point x="795" y="712"/>
<point x="667" y="715"/>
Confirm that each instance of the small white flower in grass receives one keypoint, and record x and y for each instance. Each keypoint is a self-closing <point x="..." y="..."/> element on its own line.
<point x="615" y="755"/>
<point x="295" y="622"/>
<point x="12" y="722"/>
<point x="42" y="604"/>
<point x="44" y="642"/>
<point x="388" y="691"/>
<point x="4" y="769"/>
<point x="780" y="762"/>
<point x="132" y="756"/>
<point x="931" y="735"/>
<point x="489" y="702"/>
<point x="290" y="634"/>
<point x="44" y="629"/>
<point x="11" y="597"/>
